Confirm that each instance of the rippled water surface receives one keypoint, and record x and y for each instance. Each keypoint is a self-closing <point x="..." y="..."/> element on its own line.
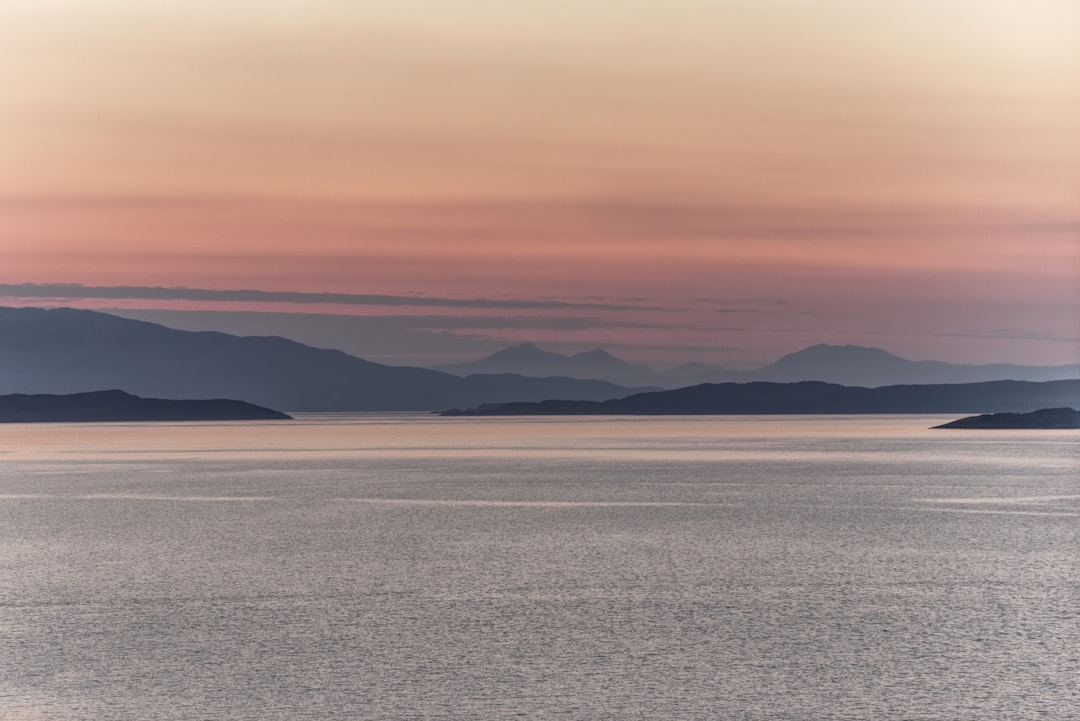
<point x="414" y="567"/>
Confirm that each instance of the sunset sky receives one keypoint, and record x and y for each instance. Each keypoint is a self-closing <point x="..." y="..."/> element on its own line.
<point x="714" y="180"/>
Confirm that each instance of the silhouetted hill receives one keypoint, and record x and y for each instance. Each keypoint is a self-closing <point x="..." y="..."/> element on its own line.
<point x="117" y="406"/>
<point x="813" y="397"/>
<point x="860" y="366"/>
<point x="71" y="351"/>
<point x="1045" y="418"/>
<point x="528" y="360"/>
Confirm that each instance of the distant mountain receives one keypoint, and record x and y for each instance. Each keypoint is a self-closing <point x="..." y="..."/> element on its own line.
<point x="861" y="366"/>
<point x="528" y="360"/>
<point x="71" y="351"/>
<point x="857" y="365"/>
<point x="117" y="406"/>
<point x="814" y="397"/>
<point x="1044" y="418"/>
<point x="842" y="364"/>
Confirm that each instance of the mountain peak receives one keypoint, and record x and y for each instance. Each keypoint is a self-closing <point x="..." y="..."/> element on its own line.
<point x="834" y="363"/>
<point x="847" y="353"/>
<point x="521" y="351"/>
<point x="595" y="354"/>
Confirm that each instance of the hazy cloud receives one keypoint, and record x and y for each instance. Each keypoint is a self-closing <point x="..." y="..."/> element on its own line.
<point x="1012" y="334"/>
<point x="74" y="290"/>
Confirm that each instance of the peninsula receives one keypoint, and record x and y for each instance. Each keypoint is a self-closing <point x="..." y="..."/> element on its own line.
<point x="810" y="397"/>
<point x="118" y="406"/>
<point x="1045" y="418"/>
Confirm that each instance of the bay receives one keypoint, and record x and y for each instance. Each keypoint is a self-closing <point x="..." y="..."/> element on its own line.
<point x="414" y="567"/>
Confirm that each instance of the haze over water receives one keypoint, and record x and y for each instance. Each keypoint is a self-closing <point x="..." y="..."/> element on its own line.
<point x="413" y="567"/>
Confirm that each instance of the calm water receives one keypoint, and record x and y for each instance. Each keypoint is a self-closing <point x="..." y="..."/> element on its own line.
<point x="412" y="567"/>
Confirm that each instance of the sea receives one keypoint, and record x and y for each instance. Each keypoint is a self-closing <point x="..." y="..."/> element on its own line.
<point x="409" y="566"/>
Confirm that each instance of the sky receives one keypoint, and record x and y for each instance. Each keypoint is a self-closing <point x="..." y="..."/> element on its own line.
<point x="426" y="181"/>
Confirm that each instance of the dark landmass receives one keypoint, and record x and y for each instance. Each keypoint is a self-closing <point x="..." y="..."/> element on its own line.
<point x="811" y="397"/>
<point x="842" y="364"/>
<point x="67" y="351"/>
<point x="118" y="406"/>
<point x="1045" y="418"/>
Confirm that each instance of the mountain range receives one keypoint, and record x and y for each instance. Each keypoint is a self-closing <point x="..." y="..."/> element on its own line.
<point x="62" y="351"/>
<point x="842" y="364"/>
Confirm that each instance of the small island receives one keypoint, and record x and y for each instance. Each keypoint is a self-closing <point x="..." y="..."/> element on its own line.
<point x="1046" y="418"/>
<point x="118" y="406"/>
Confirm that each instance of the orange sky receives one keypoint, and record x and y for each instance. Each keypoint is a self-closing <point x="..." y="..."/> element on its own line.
<point x="755" y="176"/>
